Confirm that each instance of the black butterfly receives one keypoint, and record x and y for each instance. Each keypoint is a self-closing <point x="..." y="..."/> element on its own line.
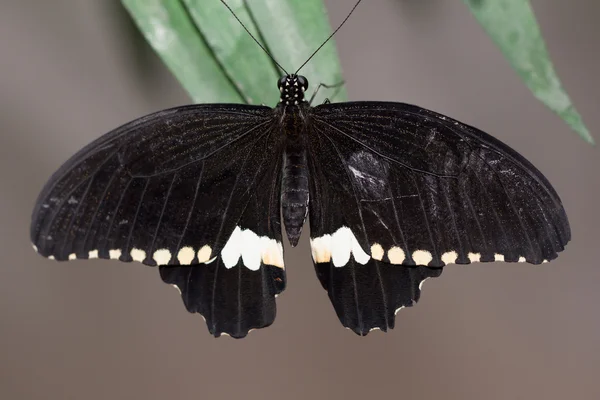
<point x="395" y="192"/>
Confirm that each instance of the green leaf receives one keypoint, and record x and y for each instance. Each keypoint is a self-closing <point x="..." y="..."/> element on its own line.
<point x="512" y="26"/>
<point x="215" y="59"/>
<point x="249" y="67"/>
<point x="170" y="31"/>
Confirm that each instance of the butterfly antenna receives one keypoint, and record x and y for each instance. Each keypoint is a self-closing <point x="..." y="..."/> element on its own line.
<point x="330" y="36"/>
<point x="253" y="38"/>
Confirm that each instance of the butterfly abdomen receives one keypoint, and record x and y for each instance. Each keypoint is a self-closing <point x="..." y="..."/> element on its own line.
<point x="294" y="191"/>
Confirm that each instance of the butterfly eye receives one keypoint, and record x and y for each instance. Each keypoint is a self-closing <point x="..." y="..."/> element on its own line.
<point x="303" y="82"/>
<point x="281" y="82"/>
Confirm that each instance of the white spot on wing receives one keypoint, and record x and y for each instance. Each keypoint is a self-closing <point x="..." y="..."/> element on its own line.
<point x="204" y="254"/>
<point x="35" y="248"/>
<point x="359" y="254"/>
<point x="396" y="255"/>
<point x="422" y="282"/>
<point x="232" y="250"/>
<point x="114" y="254"/>
<point x="341" y="246"/>
<point x="377" y="252"/>
<point x="522" y="259"/>
<point x="138" y="255"/>
<point x="421" y="257"/>
<point x="272" y="252"/>
<point x="498" y="257"/>
<point x="474" y="257"/>
<point x="449" y="257"/>
<point x="72" y="256"/>
<point x="162" y="256"/>
<point x="250" y="246"/>
<point x="177" y="287"/>
<point x="51" y="258"/>
<point x="185" y="255"/>
<point x="93" y="254"/>
<point x="321" y="249"/>
<point x="338" y="247"/>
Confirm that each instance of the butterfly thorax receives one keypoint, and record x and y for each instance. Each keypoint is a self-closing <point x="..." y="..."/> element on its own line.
<point x="292" y="88"/>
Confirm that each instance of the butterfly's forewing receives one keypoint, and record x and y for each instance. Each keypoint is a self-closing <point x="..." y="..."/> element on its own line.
<point x="178" y="188"/>
<point x="397" y="187"/>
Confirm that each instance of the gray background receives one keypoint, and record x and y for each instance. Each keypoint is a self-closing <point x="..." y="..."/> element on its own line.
<point x="69" y="71"/>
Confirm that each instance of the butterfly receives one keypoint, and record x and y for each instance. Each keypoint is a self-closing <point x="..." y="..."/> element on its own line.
<point x="393" y="193"/>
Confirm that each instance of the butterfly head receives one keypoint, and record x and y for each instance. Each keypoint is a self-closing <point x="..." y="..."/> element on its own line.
<point x="292" y="88"/>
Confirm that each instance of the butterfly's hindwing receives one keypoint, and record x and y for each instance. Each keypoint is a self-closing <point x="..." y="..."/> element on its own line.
<point x="368" y="296"/>
<point x="407" y="187"/>
<point x="236" y="291"/>
<point x="365" y="289"/>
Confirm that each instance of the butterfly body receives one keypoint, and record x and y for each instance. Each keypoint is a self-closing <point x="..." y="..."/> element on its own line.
<point x="293" y="110"/>
<point x="393" y="193"/>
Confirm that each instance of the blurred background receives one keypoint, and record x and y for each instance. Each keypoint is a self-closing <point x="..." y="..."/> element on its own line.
<point x="71" y="71"/>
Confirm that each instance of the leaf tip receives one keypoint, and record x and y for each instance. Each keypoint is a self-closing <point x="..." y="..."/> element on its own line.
<point x="574" y="120"/>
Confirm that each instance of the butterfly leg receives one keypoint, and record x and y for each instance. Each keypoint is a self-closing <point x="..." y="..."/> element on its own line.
<point x="336" y="86"/>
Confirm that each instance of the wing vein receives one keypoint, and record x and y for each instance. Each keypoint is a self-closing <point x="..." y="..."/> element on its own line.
<point x="213" y="295"/>
<point x="433" y="246"/>
<point x="189" y="216"/>
<point x="127" y="247"/>
<point x="162" y="213"/>
<point x="491" y="207"/>
<point x="112" y="220"/>
<point x="472" y="209"/>
<point x="547" y="225"/>
<point x="356" y="302"/>
<point x="100" y="201"/>
<point x="239" y="298"/>
<point x="188" y="291"/>
<point x="397" y="218"/>
<point x="454" y="226"/>
<point x="73" y="216"/>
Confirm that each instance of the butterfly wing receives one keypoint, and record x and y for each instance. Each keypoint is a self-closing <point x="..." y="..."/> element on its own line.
<point x="398" y="192"/>
<point x="179" y="188"/>
<point x="239" y="299"/>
